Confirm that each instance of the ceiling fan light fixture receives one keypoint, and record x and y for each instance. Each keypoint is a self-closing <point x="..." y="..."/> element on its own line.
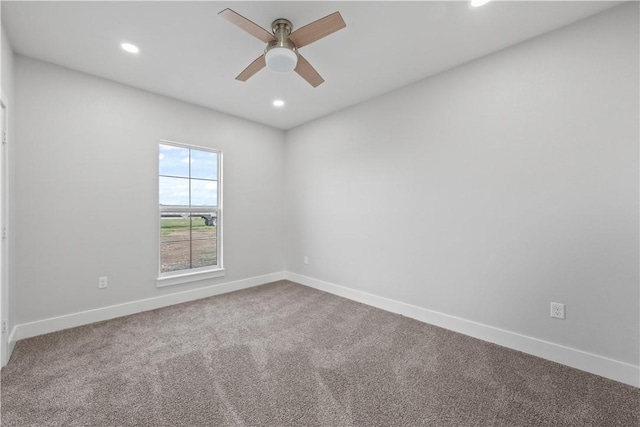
<point x="281" y="59"/>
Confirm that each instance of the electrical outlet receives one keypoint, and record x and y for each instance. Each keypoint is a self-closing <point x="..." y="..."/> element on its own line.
<point x="557" y="310"/>
<point x="306" y="259"/>
<point x="4" y="326"/>
<point x="103" y="282"/>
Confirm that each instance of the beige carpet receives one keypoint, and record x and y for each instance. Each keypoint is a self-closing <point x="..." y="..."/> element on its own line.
<point x="286" y="355"/>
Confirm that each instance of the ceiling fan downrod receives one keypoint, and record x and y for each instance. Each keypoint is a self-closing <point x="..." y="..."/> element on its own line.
<point x="281" y="29"/>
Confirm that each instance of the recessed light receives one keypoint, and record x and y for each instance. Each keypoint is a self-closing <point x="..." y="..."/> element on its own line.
<point x="131" y="48"/>
<point x="278" y="103"/>
<point x="478" y="3"/>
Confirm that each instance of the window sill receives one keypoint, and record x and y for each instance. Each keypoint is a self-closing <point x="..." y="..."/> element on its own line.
<point x="192" y="276"/>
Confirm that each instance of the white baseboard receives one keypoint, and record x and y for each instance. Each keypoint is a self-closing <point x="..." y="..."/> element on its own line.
<point x="11" y="343"/>
<point x="53" y="324"/>
<point x="599" y="365"/>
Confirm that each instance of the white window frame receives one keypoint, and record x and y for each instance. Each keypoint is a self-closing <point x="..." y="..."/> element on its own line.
<point x="199" y="273"/>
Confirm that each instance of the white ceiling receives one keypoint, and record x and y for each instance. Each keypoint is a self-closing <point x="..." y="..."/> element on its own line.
<point x="190" y="53"/>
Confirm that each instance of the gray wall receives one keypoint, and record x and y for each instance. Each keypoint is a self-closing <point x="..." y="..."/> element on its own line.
<point x="489" y="190"/>
<point x="86" y="167"/>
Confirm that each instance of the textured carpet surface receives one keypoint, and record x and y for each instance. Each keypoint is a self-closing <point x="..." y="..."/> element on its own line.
<point x="286" y="355"/>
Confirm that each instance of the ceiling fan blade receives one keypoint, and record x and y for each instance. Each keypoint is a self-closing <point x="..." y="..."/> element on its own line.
<point x="307" y="72"/>
<point x="253" y="68"/>
<point x="317" y="30"/>
<point x="247" y="25"/>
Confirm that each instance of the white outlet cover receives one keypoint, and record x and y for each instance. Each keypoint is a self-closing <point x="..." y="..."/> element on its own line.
<point x="557" y="310"/>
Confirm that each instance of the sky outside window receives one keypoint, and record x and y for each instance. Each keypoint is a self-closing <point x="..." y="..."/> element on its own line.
<point x="188" y="177"/>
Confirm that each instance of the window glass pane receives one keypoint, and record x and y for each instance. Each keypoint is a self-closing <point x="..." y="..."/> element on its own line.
<point x="174" y="256"/>
<point x="204" y="165"/>
<point x="188" y="181"/>
<point x="174" y="227"/>
<point x="174" y="161"/>
<point x="204" y="193"/>
<point x="174" y="191"/>
<point x="203" y="225"/>
<point x="203" y="244"/>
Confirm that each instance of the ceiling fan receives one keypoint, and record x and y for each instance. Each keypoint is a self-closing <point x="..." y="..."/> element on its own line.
<point x="281" y="54"/>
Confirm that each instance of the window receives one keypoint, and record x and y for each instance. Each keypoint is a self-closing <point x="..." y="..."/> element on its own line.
<point x="190" y="213"/>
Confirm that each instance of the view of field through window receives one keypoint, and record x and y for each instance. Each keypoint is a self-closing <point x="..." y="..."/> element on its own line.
<point x="188" y="190"/>
<point x="187" y="243"/>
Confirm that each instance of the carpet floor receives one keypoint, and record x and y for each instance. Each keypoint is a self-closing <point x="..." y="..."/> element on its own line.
<point x="283" y="354"/>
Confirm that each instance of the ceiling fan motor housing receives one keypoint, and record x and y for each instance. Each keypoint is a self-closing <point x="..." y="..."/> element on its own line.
<point x="281" y="54"/>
